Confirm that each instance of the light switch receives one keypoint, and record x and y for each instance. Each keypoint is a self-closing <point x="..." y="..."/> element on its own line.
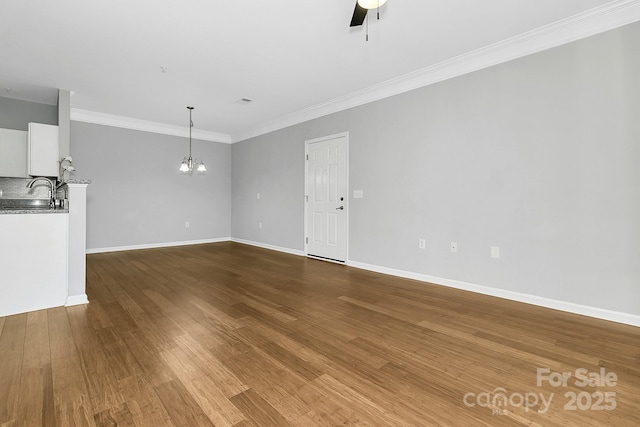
<point x="358" y="194"/>
<point x="495" y="252"/>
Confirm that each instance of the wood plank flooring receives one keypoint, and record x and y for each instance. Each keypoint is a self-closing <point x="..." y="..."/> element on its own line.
<point x="226" y="334"/>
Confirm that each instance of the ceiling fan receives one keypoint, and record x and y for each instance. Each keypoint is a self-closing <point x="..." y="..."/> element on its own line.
<point x="360" y="11"/>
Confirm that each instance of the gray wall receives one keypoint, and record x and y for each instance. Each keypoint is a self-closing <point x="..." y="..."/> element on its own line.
<point x="16" y="114"/>
<point x="138" y="197"/>
<point x="271" y="166"/>
<point x="538" y="156"/>
<point x="64" y="122"/>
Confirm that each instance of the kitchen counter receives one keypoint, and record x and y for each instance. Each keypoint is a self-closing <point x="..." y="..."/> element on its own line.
<point x="42" y="256"/>
<point x="27" y="206"/>
<point x="32" y="211"/>
<point x="33" y="261"/>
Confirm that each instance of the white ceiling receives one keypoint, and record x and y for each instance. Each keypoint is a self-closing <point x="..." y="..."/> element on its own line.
<point x="286" y="55"/>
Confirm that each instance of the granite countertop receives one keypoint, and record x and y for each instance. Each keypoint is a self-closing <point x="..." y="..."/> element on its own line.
<point x="28" y="206"/>
<point x="32" y="211"/>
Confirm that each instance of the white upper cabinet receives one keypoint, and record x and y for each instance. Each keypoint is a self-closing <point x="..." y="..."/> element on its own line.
<point x="43" y="150"/>
<point x="13" y="153"/>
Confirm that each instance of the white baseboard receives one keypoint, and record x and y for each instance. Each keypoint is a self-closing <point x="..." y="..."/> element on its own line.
<point x="157" y="245"/>
<point x="599" y="313"/>
<point x="267" y="246"/>
<point x="77" y="300"/>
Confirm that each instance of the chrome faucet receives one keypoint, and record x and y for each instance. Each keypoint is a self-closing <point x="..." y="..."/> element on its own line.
<point x="52" y="191"/>
<point x="64" y="202"/>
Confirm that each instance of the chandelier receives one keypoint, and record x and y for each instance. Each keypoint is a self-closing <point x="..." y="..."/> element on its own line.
<point x="188" y="163"/>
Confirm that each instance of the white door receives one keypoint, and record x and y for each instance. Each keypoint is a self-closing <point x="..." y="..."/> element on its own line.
<point x="326" y="221"/>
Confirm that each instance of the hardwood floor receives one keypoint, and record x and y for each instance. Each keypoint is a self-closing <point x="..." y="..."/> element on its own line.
<point x="231" y="335"/>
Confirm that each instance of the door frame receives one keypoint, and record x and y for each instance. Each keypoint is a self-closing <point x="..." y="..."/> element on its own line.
<point x="305" y="199"/>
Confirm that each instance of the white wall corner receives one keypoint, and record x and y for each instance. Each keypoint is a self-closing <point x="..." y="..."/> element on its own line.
<point x="76" y="300"/>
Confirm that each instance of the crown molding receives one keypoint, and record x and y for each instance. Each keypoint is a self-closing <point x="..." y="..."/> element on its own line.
<point x="594" y="21"/>
<point x="94" y="117"/>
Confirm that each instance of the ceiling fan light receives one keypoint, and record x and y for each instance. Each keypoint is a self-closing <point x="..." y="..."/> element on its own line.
<point x="371" y="4"/>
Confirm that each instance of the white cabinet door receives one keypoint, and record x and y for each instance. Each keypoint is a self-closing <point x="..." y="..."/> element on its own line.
<point x="13" y="153"/>
<point x="33" y="262"/>
<point x="43" y="150"/>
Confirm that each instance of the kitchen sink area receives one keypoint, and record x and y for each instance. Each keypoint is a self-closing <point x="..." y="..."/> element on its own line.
<point x="43" y="234"/>
<point x="30" y="206"/>
<point x="24" y="204"/>
<point x="43" y="210"/>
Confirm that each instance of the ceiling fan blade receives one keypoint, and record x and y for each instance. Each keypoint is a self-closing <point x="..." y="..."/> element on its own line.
<point x="359" y="14"/>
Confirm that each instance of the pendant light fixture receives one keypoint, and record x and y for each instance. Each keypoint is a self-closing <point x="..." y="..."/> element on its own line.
<point x="188" y="162"/>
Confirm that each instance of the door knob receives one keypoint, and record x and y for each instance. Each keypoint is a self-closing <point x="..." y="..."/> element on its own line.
<point x="340" y="208"/>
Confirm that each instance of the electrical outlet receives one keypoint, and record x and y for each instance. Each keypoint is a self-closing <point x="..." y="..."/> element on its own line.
<point x="422" y="244"/>
<point x="454" y="246"/>
<point x="186" y="224"/>
<point x="495" y="252"/>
